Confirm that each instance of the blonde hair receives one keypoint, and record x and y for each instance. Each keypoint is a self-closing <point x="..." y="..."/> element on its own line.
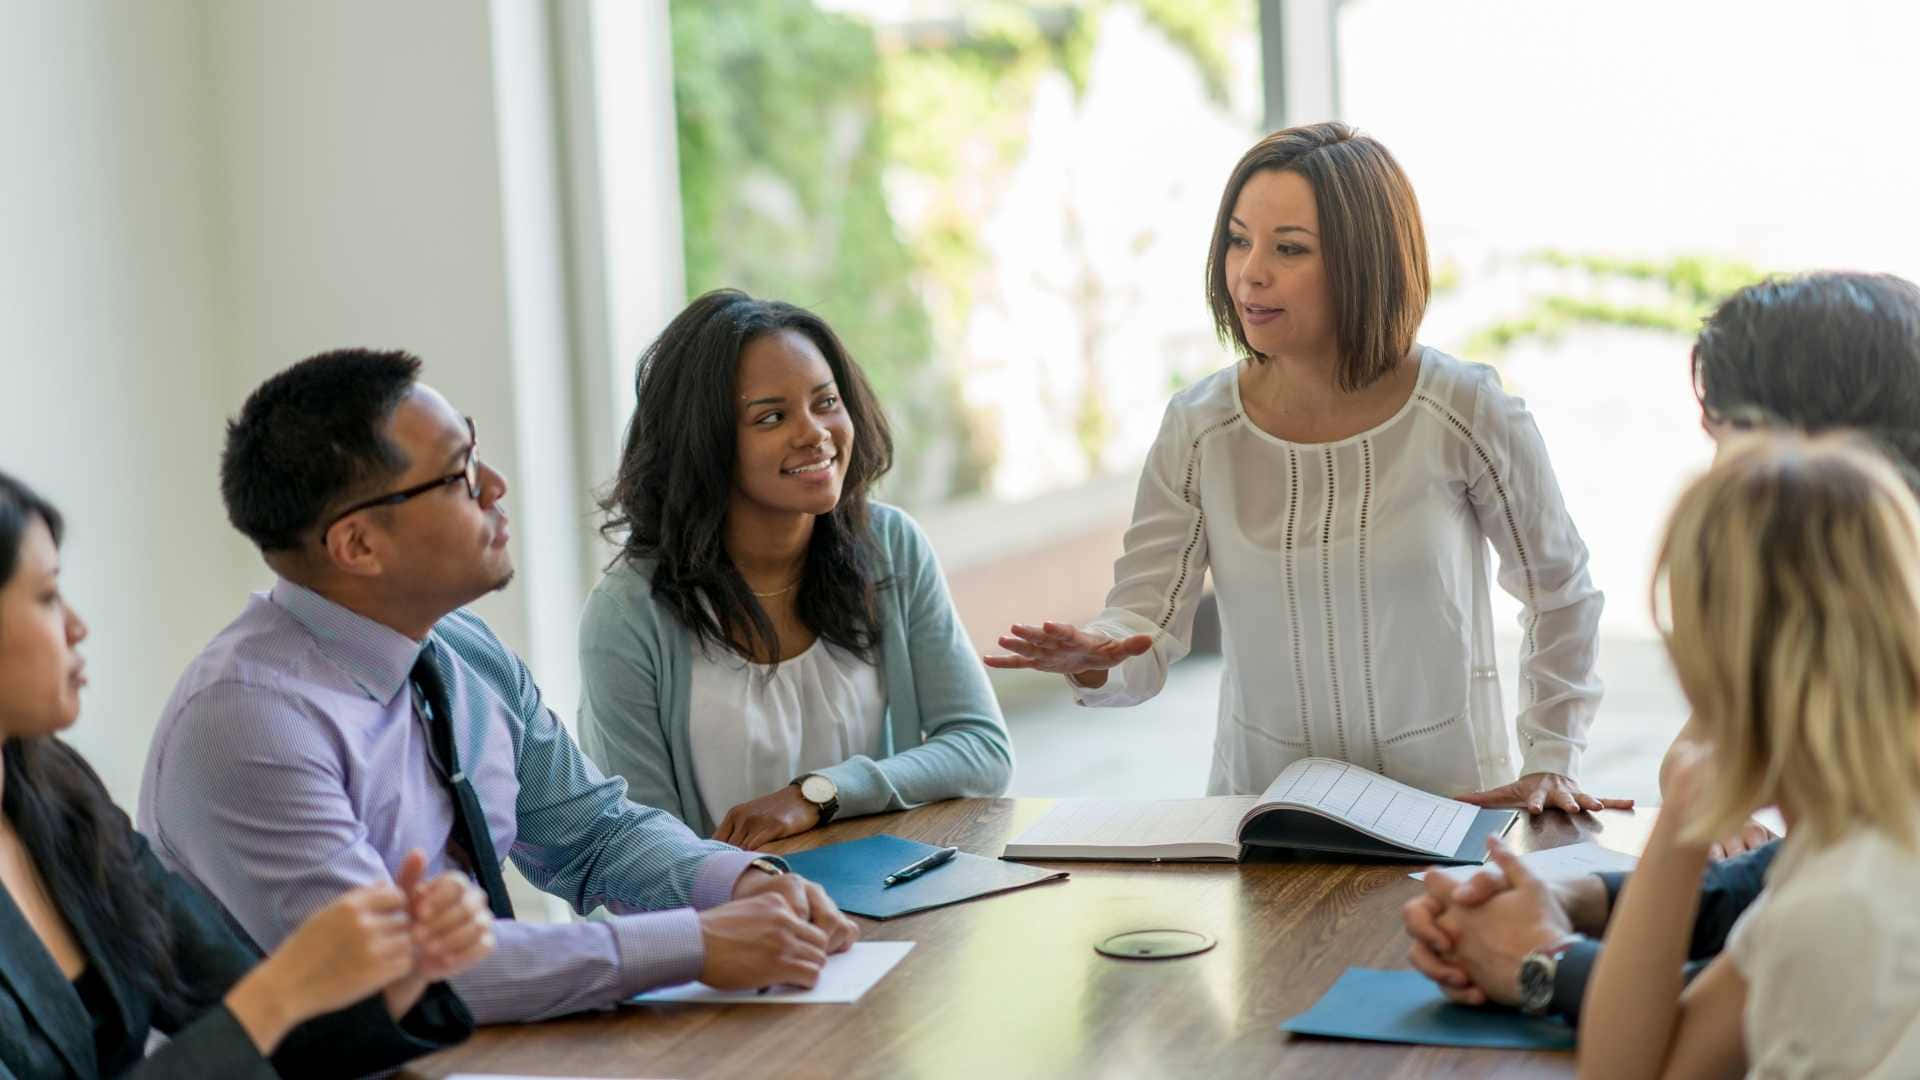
<point x="1791" y="579"/>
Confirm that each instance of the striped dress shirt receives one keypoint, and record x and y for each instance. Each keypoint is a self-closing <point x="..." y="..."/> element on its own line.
<point x="292" y="764"/>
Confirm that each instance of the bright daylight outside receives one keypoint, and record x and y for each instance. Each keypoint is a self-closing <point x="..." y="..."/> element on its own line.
<point x="1004" y="207"/>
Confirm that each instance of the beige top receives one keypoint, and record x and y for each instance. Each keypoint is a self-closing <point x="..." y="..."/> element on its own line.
<point x="1831" y="955"/>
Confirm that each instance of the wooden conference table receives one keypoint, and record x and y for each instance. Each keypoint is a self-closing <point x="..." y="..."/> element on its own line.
<point x="1010" y="986"/>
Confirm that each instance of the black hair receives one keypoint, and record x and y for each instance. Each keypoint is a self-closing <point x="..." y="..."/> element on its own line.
<point x="1818" y="351"/>
<point x="82" y="844"/>
<point x="19" y="506"/>
<point x="311" y="437"/>
<point x="670" y="498"/>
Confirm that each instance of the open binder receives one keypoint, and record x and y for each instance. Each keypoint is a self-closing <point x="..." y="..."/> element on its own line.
<point x="1316" y="805"/>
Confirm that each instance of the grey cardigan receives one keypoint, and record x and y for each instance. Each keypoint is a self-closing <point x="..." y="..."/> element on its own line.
<point x="945" y="737"/>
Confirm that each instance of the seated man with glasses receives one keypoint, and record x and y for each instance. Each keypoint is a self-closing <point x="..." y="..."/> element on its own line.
<point x="356" y="711"/>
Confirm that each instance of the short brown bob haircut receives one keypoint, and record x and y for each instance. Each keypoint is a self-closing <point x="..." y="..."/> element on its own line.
<point x="1371" y="240"/>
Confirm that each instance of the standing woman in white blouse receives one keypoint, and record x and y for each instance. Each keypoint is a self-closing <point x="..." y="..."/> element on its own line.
<point x="1342" y="483"/>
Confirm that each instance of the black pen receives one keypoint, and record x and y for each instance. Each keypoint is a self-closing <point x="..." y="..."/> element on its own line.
<point x="919" y="866"/>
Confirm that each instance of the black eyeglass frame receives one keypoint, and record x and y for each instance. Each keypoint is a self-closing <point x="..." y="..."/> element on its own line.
<point x="470" y="472"/>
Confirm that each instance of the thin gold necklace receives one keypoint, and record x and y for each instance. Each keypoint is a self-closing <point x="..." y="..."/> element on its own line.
<point x="777" y="592"/>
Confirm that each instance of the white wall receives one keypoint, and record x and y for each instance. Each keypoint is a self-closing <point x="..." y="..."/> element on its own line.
<point x="196" y="193"/>
<point x="360" y="201"/>
<point x="111" y="370"/>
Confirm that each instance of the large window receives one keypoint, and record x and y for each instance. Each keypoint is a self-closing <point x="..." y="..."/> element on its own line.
<point x="1002" y="207"/>
<point x="1594" y="179"/>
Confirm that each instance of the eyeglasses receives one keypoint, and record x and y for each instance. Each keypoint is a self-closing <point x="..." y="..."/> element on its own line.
<point x="470" y="472"/>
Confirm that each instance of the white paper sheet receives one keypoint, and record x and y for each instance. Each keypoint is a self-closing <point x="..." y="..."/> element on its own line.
<point x="1556" y="864"/>
<point x="1122" y="823"/>
<point x="1387" y="808"/>
<point x="846" y="977"/>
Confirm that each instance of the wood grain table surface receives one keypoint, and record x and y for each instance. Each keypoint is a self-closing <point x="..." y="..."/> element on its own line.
<point x="1010" y="985"/>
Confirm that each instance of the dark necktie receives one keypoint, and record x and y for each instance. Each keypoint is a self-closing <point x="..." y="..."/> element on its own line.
<point x="470" y="831"/>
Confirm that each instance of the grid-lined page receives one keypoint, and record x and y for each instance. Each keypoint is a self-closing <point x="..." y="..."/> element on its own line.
<point x="1120" y="824"/>
<point x="1385" y="808"/>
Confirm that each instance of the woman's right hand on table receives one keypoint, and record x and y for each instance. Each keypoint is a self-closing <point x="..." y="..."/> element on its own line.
<point x="1065" y="649"/>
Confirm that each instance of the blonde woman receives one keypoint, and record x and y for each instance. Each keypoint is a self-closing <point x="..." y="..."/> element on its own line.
<point x="1789" y="588"/>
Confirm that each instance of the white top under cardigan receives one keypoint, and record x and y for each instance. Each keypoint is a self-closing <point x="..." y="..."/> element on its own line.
<point x="1352" y="583"/>
<point x="757" y="726"/>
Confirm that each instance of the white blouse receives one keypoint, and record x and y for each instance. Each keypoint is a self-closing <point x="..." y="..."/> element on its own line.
<point x="1352" y="580"/>
<point x="1831" y="956"/>
<point x="752" y="732"/>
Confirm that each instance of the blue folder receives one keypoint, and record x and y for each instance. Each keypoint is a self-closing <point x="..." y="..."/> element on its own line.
<point x="851" y="874"/>
<point x="1406" y="1007"/>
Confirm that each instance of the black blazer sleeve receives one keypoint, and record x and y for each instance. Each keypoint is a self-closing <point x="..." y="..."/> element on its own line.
<point x="206" y="1039"/>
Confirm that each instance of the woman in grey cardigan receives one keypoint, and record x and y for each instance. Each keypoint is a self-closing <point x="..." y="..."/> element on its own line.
<point x="771" y="649"/>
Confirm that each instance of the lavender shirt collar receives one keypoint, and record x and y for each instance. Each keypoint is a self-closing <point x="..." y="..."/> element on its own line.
<point x="378" y="658"/>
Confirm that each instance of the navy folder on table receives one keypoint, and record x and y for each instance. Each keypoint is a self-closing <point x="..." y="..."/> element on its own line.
<point x="1406" y="1007"/>
<point x="851" y="873"/>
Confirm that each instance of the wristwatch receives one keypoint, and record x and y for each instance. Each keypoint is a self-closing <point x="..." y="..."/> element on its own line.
<point x="822" y="793"/>
<point x="767" y="865"/>
<point x="1537" y="970"/>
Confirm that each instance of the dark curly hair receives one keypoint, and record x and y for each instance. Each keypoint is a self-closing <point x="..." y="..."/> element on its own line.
<point x="669" y="501"/>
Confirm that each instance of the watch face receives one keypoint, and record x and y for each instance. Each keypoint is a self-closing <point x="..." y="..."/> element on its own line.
<point x="818" y="790"/>
<point x="1536" y="981"/>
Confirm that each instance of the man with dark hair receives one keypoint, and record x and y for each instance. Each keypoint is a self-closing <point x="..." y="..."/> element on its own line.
<point x="356" y="711"/>
<point x="1821" y="351"/>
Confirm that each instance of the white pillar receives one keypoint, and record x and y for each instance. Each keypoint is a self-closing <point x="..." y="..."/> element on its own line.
<point x="629" y="259"/>
<point x="1300" y="50"/>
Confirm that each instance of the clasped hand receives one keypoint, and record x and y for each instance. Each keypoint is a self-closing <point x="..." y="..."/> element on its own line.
<point x="394" y="938"/>
<point x="1469" y="937"/>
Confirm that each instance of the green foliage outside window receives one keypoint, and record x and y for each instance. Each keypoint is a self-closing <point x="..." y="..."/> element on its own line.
<point x="1685" y="289"/>
<point x="792" y="121"/>
<point x="781" y="162"/>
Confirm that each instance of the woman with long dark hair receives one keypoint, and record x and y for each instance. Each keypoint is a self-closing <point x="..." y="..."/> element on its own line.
<point x="100" y="945"/>
<point x="772" y="648"/>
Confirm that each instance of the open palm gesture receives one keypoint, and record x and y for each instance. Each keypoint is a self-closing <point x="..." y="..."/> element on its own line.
<point x="1065" y="649"/>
